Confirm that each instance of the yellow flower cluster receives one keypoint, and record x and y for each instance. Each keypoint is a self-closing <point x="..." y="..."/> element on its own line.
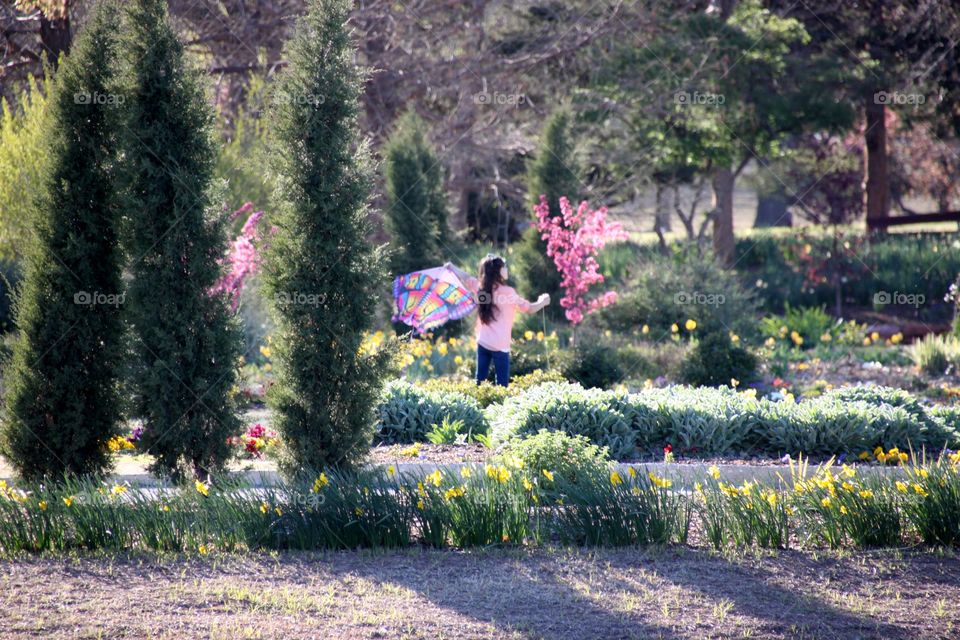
<point x="119" y="443"/>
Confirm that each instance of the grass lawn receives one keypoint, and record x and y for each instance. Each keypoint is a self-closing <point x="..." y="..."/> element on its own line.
<point x="558" y="593"/>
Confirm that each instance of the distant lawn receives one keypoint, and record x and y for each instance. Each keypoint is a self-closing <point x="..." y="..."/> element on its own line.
<point x="631" y="593"/>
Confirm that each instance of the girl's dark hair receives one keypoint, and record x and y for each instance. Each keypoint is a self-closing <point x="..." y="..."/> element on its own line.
<point x="490" y="277"/>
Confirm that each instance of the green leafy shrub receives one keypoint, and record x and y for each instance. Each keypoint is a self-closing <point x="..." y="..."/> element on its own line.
<point x="673" y="289"/>
<point x="810" y="323"/>
<point x="921" y="429"/>
<point x="715" y="361"/>
<point x="559" y="454"/>
<point x="701" y="421"/>
<point x="593" y="364"/>
<point x="22" y="159"/>
<point x="406" y="413"/>
<point x="487" y="393"/>
<point x="568" y="408"/>
<point x="936" y="355"/>
<point x="822" y="426"/>
<point x="915" y="263"/>
<point x="447" y="432"/>
<point x="948" y="425"/>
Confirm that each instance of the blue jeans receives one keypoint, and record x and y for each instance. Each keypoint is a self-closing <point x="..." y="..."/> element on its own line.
<point x="501" y="365"/>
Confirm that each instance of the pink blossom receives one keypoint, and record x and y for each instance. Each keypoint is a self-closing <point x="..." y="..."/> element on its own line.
<point x="574" y="239"/>
<point x="244" y="258"/>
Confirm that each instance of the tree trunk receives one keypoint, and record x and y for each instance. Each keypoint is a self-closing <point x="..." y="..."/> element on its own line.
<point x="772" y="211"/>
<point x="55" y="36"/>
<point x="878" y="179"/>
<point x="723" y="241"/>
<point x="661" y="219"/>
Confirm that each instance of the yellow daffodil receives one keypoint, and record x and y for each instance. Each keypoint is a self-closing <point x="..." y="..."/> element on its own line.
<point x="391" y="471"/>
<point x="901" y="486"/>
<point x="674" y="328"/>
<point x="714" y="472"/>
<point x="201" y="488"/>
<point x="690" y="325"/>
<point x="68" y="500"/>
<point x="264" y="507"/>
<point x="465" y="472"/>
<point x="548" y="475"/>
<point x="435" y="478"/>
<point x="616" y="478"/>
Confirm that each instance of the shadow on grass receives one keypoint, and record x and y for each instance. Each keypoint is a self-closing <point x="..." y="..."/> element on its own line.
<point x="633" y="593"/>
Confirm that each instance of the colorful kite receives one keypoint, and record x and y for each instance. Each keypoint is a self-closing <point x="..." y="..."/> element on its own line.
<point x="426" y="299"/>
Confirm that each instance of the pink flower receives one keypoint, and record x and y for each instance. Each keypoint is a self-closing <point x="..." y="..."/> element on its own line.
<point x="243" y="259"/>
<point x="574" y="239"/>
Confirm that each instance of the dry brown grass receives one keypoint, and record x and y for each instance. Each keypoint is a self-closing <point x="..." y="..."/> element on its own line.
<point x="630" y="593"/>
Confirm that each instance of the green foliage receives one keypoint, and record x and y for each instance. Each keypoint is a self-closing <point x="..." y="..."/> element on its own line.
<point x="241" y="156"/>
<point x="622" y="509"/>
<point x="62" y="388"/>
<point x="406" y="413"/>
<point x="909" y="264"/>
<point x="447" y="432"/>
<point x="322" y="274"/>
<point x="932" y="501"/>
<point x="487" y="393"/>
<point x="715" y="361"/>
<point x="699" y="421"/>
<point x="554" y="173"/>
<point x="568" y="408"/>
<point x="810" y="323"/>
<point x="677" y="288"/>
<point x="186" y="342"/>
<point x="593" y="364"/>
<point x="936" y="355"/>
<point x="573" y="458"/>
<point x="416" y="208"/>
<point x="22" y="158"/>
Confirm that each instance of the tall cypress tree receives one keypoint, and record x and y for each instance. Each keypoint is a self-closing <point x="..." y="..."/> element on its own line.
<point x="416" y="206"/>
<point x="320" y="270"/>
<point x="553" y="173"/>
<point x="185" y="342"/>
<point x="62" y="400"/>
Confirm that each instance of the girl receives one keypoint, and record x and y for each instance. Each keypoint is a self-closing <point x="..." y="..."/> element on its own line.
<point x="497" y="306"/>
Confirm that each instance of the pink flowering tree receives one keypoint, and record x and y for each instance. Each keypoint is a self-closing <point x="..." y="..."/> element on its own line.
<point x="574" y="239"/>
<point x="243" y="259"/>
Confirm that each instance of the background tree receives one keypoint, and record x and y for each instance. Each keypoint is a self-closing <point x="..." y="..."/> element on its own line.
<point x="735" y="88"/>
<point x="416" y="205"/>
<point x="321" y="272"/>
<point x="553" y="173"/>
<point x="62" y="400"/>
<point x="895" y="51"/>
<point x="185" y="341"/>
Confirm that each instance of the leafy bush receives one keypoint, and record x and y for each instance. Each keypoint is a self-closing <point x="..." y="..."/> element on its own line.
<point x="822" y="426"/>
<point x="568" y="408"/>
<point x="668" y="290"/>
<point x="22" y="159"/>
<point x="920" y="264"/>
<point x="447" y="432"/>
<point x="922" y="429"/>
<point x="702" y="421"/>
<point x="948" y="424"/>
<point x="715" y="361"/>
<point x="558" y="454"/>
<point x="936" y="355"/>
<point x="593" y="364"/>
<point x="406" y="413"/>
<point x="487" y="393"/>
